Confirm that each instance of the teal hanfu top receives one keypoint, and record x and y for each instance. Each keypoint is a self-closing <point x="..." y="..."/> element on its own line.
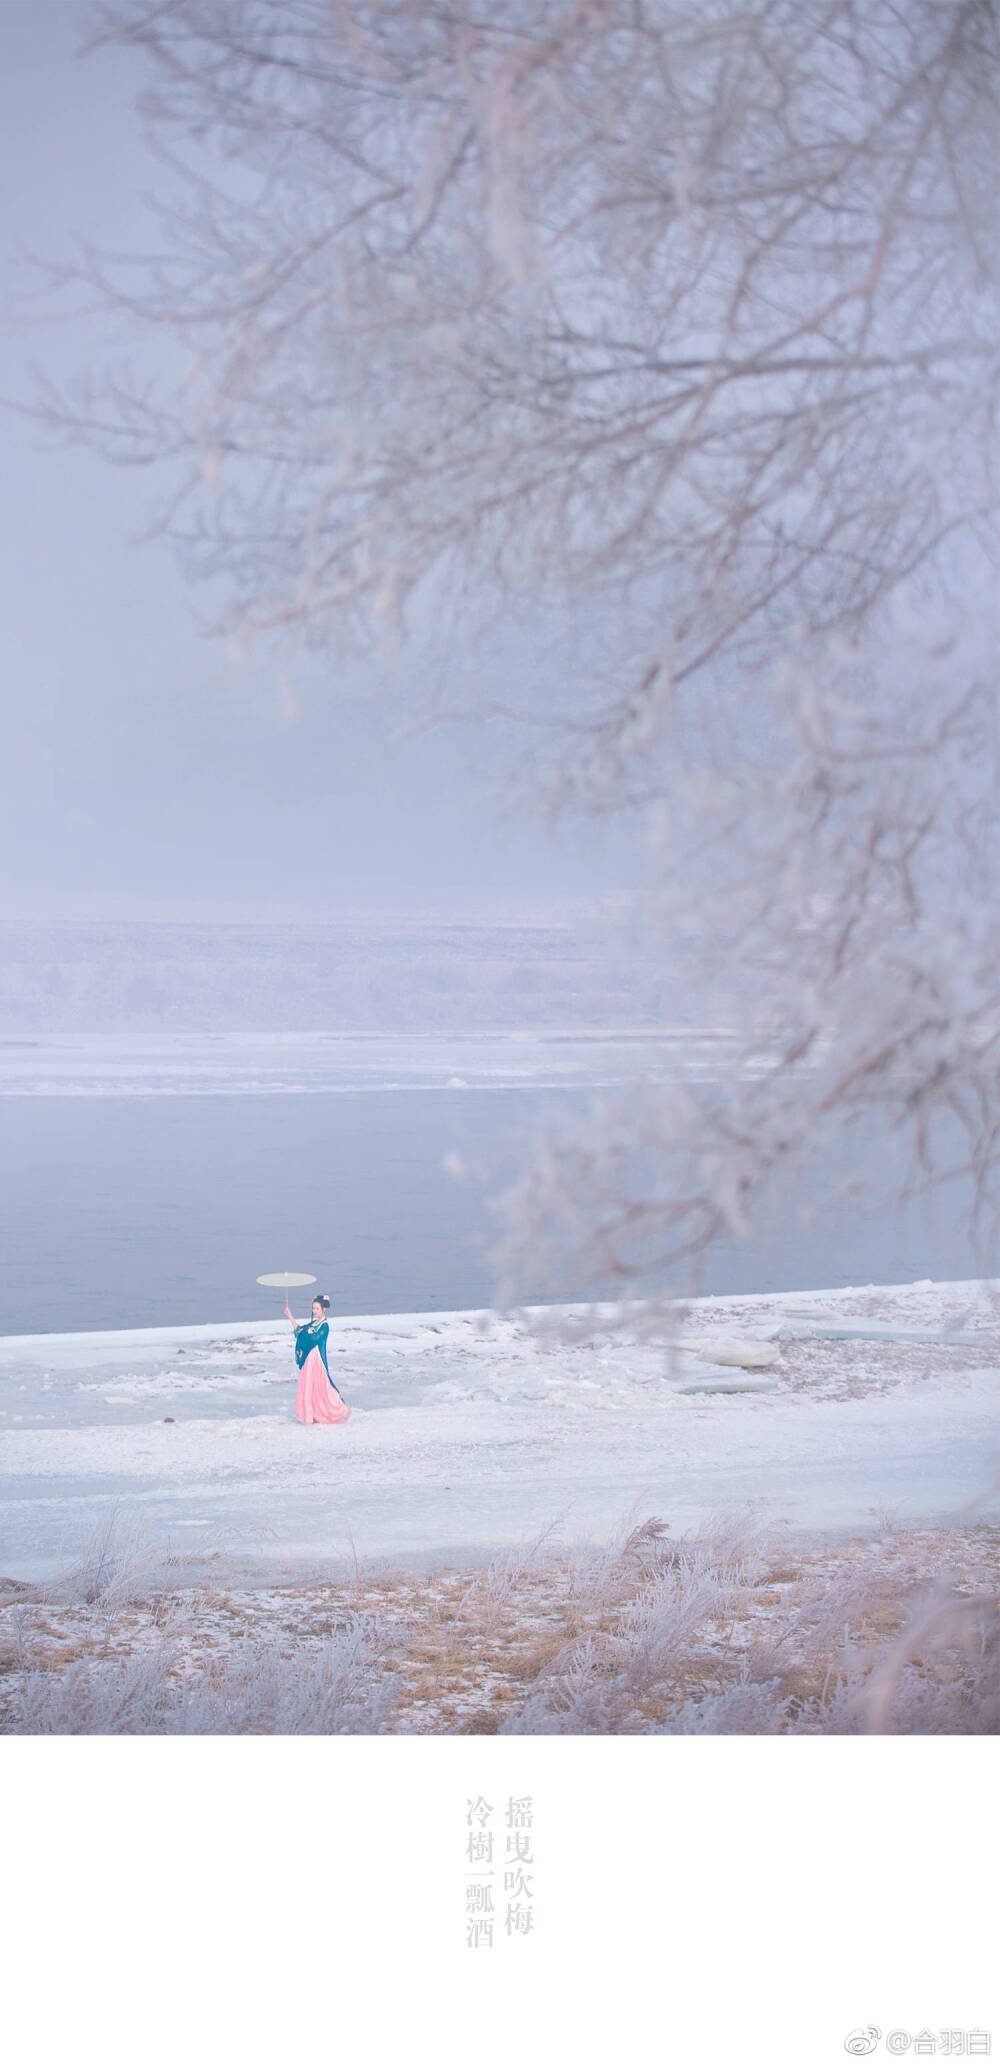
<point x="314" y="1334"/>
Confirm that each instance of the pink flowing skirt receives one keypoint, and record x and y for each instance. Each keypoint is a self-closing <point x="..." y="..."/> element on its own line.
<point x="316" y="1398"/>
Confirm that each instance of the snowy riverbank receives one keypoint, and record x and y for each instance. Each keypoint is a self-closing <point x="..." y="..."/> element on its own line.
<point x="470" y="1433"/>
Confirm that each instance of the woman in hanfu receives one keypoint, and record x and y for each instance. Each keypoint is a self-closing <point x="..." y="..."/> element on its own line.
<point x="317" y="1398"/>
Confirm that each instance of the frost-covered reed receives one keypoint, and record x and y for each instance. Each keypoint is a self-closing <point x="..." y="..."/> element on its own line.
<point x="731" y="1630"/>
<point x="680" y="1657"/>
<point x="257" y="1689"/>
<point x="120" y="1564"/>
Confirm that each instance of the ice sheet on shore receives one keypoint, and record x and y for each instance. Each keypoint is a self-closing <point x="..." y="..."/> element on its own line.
<point x="469" y="1431"/>
<point x="289" y="1064"/>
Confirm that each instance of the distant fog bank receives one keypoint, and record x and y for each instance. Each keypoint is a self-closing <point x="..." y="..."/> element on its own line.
<point x="133" y="977"/>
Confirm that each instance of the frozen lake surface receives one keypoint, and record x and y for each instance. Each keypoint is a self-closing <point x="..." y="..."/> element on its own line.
<point x="471" y="1433"/>
<point x="149" y="1182"/>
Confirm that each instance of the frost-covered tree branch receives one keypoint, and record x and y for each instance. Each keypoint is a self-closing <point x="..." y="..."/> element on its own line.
<point x="680" y="320"/>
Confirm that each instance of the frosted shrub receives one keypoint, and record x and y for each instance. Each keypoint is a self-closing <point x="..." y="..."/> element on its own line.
<point x="577" y="1696"/>
<point x="600" y="1682"/>
<point x="598" y="1574"/>
<point x="491" y="1589"/>
<point x="256" y="1690"/>
<point x="743" y="1710"/>
<point x="692" y="1619"/>
<point x="720" y="1633"/>
<point x="735" y="1545"/>
<point x="941" y="1676"/>
<point x="102" y="1698"/>
<point x="121" y="1565"/>
<point x="336" y="1691"/>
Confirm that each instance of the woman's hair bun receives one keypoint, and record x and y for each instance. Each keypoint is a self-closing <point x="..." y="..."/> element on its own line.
<point x="321" y="1300"/>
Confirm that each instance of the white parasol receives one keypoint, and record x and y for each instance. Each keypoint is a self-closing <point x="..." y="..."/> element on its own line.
<point x="285" y="1280"/>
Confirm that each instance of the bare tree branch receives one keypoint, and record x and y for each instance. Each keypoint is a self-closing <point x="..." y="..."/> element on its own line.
<point x="678" y="321"/>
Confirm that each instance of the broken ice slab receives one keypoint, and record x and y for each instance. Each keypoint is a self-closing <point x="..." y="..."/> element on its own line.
<point x="809" y="1326"/>
<point x="740" y="1353"/>
<point x="714" y="1383"/>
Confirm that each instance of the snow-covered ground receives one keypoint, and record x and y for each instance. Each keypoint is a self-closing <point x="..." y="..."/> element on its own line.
<point x="472" y="1432"/>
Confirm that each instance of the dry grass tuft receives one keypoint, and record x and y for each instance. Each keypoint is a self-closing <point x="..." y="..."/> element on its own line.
<point x="725" y="1631"/>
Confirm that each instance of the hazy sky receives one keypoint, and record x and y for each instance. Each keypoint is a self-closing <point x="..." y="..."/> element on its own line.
<point x="143" y="771"/>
